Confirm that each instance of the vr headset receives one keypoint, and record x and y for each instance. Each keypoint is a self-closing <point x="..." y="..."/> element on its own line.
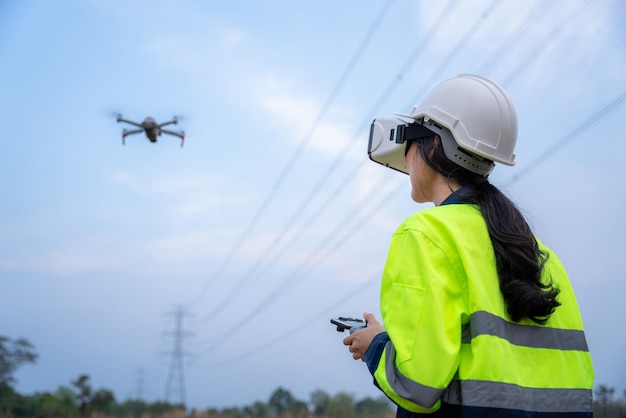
<point x="388" y="140"/>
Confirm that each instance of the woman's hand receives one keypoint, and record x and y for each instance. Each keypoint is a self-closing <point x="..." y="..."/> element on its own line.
<point x="359" y="341"/>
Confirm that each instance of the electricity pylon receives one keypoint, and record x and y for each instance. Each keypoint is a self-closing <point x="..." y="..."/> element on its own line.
<point x="175" y="384"/>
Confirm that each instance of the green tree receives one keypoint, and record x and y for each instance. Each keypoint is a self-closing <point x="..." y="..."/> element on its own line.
<point x="13" y="354"/>
<point x="212" y="412"/>
<point x="84" y="393"/>
<point x="373" y="408"/>
<point x="299" y="408"/>
<point x="102" y="399"/>
<point x="231" y="412"/>
<point x="281" y="401"/>
<point x="341" y="405"/>
<point x="61" y="403"/>
<point x="257" y="410"/>
<point x="319" y="402"/>
<point x="130" y="407"/>
<point x="604" y="398"/>
<point x="8" y="399"/>
<point x="65" y="401"/>
<point x="138" y="408"/>
<point x="88" y="399"/>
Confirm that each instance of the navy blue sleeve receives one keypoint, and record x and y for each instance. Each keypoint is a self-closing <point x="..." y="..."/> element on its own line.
<point x="375" y="351"/>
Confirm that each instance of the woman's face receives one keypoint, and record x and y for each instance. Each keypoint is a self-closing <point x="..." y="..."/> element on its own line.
<point x="421" y="175"/>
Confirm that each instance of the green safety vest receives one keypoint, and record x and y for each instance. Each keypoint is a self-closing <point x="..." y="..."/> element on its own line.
<point x="451" y="338"/>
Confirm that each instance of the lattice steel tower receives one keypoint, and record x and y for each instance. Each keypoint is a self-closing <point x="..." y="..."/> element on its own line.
<point x="175" y="384"/>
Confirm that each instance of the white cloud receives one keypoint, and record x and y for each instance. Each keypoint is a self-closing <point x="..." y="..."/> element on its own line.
<point x="63" y="261"/>
<point x="181" y="53"/>
<point x="294" y="110"/>
<point x="188" y="193"/>
<point x="231" y="37"/>
<point x="126" y="179"/>
<point x="114" y="253"/>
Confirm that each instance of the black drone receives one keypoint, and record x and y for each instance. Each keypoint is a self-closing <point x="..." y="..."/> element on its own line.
<point x="152" y="129"/>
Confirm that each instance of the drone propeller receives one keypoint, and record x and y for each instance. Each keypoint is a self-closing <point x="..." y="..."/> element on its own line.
<point x="179" y="118"/>
<point x="112" y="112"/>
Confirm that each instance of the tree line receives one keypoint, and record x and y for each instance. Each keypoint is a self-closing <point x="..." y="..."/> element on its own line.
<point x="81" y="400"/>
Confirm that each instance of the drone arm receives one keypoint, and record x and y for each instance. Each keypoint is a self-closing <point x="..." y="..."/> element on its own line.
<point x="181" y="135"/>
<point x="119" y="119"/>
<point x="134" y="131"/>
<point x="178" y="134"/>
<point x="125" y="133"/>
<point x="173" y="121"/>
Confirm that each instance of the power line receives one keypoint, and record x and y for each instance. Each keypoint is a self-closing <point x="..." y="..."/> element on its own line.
<point x="551" y="151"/>
<point x="340" y="156"/>
<point x="592" y="120"/>
<point x="416" y="52"/>
<point x="463" y="40"/>
<point x="278" y="253"/>
<point x="538" y="49"/>
<point x="445" y="13"/>
<point x="284" y="287"/>
<point x="588" y="123"/>
<point x="521" y="30"/>
<point x="315" y="259"/>
<point x="299" y="327"/>
<point x="299" y="150"/>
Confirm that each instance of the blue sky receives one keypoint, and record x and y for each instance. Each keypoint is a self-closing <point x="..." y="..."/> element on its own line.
<point x="270" y="219"/>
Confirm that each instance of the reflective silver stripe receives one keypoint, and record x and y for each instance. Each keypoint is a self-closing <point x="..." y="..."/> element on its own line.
<point x="485" y="323"/>
<point x="406" y="388"/>
<point x="508" y="396"/>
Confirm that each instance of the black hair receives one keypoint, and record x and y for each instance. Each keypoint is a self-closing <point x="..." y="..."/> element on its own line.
<point x="519" y="260"/>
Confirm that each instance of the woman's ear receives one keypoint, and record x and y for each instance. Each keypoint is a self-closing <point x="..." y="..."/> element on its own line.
<point x="435" y="144"/>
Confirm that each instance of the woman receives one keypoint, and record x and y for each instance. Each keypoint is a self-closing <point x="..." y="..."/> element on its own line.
<point x="479" y="317"/>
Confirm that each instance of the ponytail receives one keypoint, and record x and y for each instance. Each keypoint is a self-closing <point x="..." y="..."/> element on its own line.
<point x="519" y="260"/>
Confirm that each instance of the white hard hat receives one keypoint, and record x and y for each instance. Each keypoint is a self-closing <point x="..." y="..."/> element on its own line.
<point x="479" y="115"/>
